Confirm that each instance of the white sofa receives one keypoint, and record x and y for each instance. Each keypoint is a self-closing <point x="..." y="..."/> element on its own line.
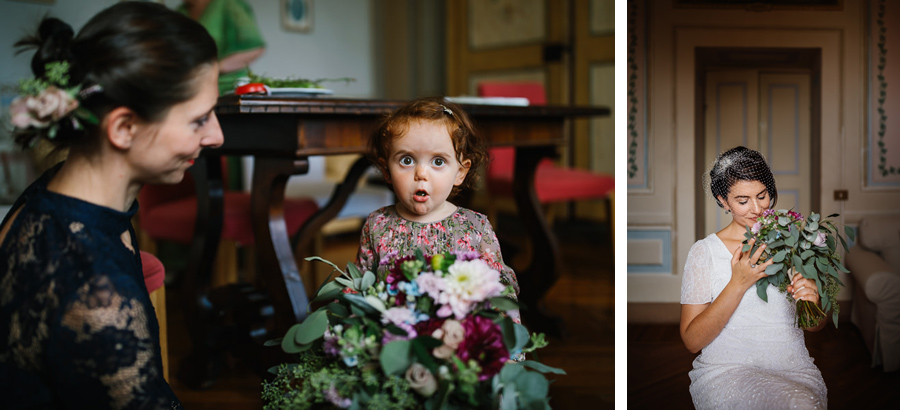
<point x="874" y="265"/>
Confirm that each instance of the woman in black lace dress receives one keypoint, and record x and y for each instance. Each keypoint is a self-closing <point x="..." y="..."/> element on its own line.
<point x="131" y="97"/>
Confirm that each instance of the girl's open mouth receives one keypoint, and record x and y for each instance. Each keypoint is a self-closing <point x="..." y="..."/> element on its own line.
<point x="420" y="196"/>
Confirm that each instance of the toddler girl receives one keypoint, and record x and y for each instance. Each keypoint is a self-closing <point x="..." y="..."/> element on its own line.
<point x="428" y="152"/>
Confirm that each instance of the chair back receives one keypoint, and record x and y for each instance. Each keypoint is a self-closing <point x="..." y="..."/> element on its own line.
<point x="503" y="158"/>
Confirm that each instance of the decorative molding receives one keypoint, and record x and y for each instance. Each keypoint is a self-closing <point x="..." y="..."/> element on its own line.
<point x="638" y="174"/>
<point x="647" y="239"/>
<point x="879" y="171"/>
<point x="796" y="162"/>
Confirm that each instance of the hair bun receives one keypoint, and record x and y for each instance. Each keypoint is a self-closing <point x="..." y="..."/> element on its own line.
<point x="54" y="37"/>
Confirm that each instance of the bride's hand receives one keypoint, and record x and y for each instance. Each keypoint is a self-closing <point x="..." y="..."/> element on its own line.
<point x="744" y="268"/>
<point x="803" y="289"/>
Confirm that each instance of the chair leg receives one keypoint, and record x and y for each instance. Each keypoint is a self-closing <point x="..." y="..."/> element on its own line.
<point x="158" y="299"/>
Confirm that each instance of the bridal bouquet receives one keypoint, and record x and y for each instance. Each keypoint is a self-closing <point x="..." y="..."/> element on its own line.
<point x="433" y="335"/>
<point x="804" y="245"/>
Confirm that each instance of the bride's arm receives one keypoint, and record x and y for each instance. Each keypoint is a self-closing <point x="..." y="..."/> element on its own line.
<point x="700" y="324"/>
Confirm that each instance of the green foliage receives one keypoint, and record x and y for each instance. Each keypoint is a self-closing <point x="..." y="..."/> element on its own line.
<point x="294" y="82"/>
<point x="791" y="241"/>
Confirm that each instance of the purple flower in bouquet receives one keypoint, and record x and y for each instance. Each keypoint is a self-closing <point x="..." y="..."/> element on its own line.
<point x="484" y="344"/>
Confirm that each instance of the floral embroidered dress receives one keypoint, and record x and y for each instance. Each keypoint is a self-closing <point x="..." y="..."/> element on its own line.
<point x="387" y="236"/>
<point x="759" y="360"/>
<point x="77" y="329"/>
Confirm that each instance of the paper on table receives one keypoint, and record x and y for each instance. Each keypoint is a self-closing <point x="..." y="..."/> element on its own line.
<point x="467" y="99"/>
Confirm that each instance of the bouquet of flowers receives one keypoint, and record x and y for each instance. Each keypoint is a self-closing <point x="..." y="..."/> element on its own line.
<point x="432" y="334"/>
<point x="807" y="246"/>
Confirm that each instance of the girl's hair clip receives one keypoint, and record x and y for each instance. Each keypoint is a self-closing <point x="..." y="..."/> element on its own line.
<point x="87" y="92"/>
<point x="447" y="110"/>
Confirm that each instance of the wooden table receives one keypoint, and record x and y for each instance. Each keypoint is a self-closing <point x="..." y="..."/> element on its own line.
<point x="281" y="133"/>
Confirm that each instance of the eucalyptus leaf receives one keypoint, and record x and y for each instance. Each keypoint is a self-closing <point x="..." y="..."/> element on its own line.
<point x="504" y="303"/>
<point x="812" y="226"/>
<point x="273" y="342"/>
<point x="834" y="318"/>
<point x="396" y="357"/>
<point x="796" y="262"/>
<point x="421" y="349"/>
<point x="779" y="256"/>
<point x="804" y="244"/>
<point x="829" y="240"/>
<point x="843" y="243"/>
<point x="850" y="233"/>
<point x="807" y="254"/>
<point x="361" y="303"/>
<point x="318" y="259"/>
<point x="353" y="271"/>
<point x="814" y="217"/>
<point x="347" y="283"/>
<point x="810" y="271"/>
<point x="312" y="328"/>
<point x="761" y="290"/>
<point x="368" y="280"/>
<point x="288" y="343"/>
<point x="745" y="248"/>
<point x="783" y="220"/>
<point x="776" y="244"/>
<point x="795" y="234"/>
<point x="328" y="291"/>
<point x="522" y="337"/>
<point x="543" y="368"/>
<point x="774" y="268"/>
<point x="838" y="265"/>
<point x="338" y="310"/>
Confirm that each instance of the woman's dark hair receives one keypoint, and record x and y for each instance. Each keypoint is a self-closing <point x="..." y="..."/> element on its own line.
<point x="740" y="164"/>
<point x="141" y="55"/>
<point x="469" y="144"/>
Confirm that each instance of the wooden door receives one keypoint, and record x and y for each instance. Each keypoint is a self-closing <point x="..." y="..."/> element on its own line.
<point x="506" y="40"/>
<point x="768" y="112"/>
<point x="566" y="45"/>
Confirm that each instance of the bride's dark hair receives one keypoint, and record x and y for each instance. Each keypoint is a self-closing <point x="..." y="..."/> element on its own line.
<point x="740" y="164"/>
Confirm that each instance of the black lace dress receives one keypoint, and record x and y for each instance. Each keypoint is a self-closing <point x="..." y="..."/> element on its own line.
<point x="77" y="329"/>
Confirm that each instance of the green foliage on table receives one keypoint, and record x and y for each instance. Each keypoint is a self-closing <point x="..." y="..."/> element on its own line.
<point x="294" y="82"/>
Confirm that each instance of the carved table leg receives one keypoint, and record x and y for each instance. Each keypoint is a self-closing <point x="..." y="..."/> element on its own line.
<point x="273" y="246"/>
<point x="198" y="370"/>
<point x="541" y="273"/>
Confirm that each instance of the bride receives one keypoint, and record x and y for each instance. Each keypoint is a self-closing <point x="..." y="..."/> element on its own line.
<point x="752" y="353"/>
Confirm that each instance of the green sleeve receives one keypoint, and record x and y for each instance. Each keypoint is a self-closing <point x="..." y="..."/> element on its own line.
<point x="240" y="29"/>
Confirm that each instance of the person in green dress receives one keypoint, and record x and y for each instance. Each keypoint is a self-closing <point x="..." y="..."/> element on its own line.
<point x="232" y="25"/>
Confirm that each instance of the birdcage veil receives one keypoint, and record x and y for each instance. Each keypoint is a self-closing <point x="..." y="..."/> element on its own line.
<point x="738" y="164"/>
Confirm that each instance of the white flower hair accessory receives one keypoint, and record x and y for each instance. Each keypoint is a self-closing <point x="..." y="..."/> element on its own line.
<point x="45" y="103"/>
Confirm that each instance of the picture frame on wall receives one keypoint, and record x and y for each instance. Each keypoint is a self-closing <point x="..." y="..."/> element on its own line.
<point x="297" y="15"/>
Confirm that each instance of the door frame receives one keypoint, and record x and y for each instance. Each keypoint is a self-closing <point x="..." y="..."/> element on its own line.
<point x="758" y="58"/>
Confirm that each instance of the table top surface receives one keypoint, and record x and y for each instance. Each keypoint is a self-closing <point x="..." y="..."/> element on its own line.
<point x="254" y="103"/>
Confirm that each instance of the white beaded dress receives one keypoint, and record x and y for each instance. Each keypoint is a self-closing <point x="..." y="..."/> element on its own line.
<point x="759" y="360"/>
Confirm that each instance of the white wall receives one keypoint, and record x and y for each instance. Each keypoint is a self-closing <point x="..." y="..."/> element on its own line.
<point x="339" y="45"/>
<point x="342" y="43"/>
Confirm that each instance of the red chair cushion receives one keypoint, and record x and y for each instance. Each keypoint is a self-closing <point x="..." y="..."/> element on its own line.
<point x="533" y="91"/>
<point x="174" y="221"/>
<point x="555" y="184"/>
<point x="154" y="271"/>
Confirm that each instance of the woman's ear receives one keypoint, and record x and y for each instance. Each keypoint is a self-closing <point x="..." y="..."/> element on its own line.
<point x="121" y="127"/>
<point x="464" y="166"/>
<point x="722" y="201"/>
